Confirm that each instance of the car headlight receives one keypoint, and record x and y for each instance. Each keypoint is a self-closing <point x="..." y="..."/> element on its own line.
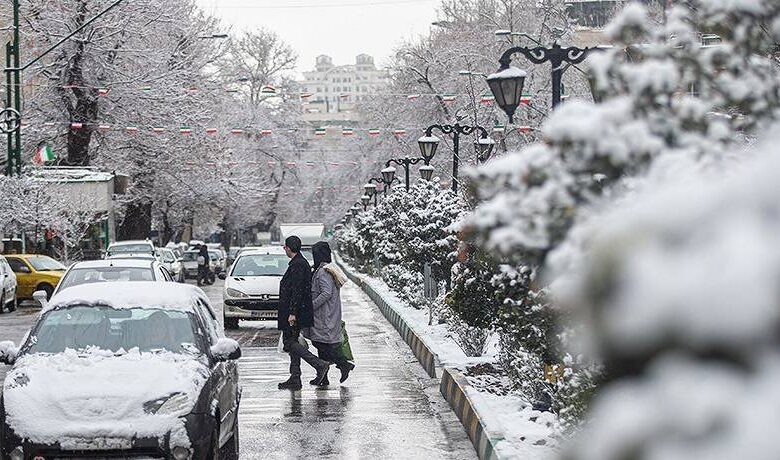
<point x="235" y="293"/>
<point x="177" y="404"/>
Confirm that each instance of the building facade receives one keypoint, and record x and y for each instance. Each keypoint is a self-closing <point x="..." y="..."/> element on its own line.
<point x="330" y="91"/>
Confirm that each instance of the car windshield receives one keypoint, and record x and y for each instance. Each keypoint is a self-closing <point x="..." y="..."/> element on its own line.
<point x="77" y="276"/>
<point x="234" y="251"/>
<point x="166" y="255"/>
<point x="260" y="265"/>
<point x="83" y="327"/>
<point x="190" y="256"/>
<point x="215" y="255"/>
<point x="308" y="255"/>
<point x="45" y="263"/>
<point x="122" y="248"/>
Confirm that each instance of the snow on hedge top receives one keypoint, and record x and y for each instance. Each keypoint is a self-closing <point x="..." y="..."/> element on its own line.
<point x="693" y="263"/>
<point x="130" y="295"/>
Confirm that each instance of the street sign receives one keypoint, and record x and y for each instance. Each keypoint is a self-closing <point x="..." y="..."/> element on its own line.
<point x="10" y="120"/>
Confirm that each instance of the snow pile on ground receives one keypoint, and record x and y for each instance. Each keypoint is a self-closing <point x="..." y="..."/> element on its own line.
<point x="73" y="396"/>
<point x="680" y="290"/>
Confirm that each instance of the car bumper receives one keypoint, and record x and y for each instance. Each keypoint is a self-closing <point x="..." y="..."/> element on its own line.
<point x="251" y="309"/>
<point x="199" y="429"/>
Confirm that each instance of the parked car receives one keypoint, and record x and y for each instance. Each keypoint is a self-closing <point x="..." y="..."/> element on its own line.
<point x="130" y="247"/>
<point x="7" y="286"/>
<point x="122" y="370"/>
<point x="113" y="270"/>
<point x="35" y="272"/>
<point x="218" y="261"/>
<point x="232" y="255"/>
<point x="252" y="286"/>
<point x="172" y="263"/>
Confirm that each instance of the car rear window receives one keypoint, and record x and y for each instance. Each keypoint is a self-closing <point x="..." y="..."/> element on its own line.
<point x="78" y="276"/>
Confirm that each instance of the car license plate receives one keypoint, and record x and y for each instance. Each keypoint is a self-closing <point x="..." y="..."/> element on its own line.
<point x="264" y="314"/>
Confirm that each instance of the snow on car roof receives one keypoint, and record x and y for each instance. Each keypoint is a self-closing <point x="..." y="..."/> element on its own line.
<point x="263" y="250"/>
<point x="125" y="294"/>
<point x="128" y="262"/>
<point x="120" y="243"/>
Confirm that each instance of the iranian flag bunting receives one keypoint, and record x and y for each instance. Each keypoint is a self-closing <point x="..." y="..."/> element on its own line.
<point x="320" y="132"/>
<point x="44" y="154"/>
<point x="373" y="132"/>
<point x="211" y="130"/>
<point x="185" y="130"/>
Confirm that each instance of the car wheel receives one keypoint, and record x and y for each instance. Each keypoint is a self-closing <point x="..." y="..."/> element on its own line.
<point x="231" y="447"/>
<point x="14" y="304"/>
<point x="230" y="323"/>
<point x="2" y="302"/>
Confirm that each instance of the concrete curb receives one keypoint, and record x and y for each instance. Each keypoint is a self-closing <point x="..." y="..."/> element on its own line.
<point x="424" y="355"/>
<point x="452" y="385"/>
<point x="453" y="388"/>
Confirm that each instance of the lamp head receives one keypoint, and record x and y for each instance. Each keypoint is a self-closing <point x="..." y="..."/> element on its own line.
<point x="507" y="87"/>
<point x="428" y="147"/>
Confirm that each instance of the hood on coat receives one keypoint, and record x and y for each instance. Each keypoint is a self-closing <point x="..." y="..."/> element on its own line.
<point x="338" y="276"/>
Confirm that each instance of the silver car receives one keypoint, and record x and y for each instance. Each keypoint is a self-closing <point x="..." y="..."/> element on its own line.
<point x="7" y="286"/>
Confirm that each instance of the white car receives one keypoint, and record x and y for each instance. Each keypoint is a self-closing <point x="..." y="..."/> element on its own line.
<point x="252" y="286"/>
<point x="130" y="247"/>
<point x="7" y="286"/>
<point x="172" y="263"/>
<point x="190" y="262"/>
<point x="113" y="270"/>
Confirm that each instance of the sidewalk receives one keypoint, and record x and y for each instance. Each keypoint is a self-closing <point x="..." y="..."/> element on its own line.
<point x="389" y="408"/>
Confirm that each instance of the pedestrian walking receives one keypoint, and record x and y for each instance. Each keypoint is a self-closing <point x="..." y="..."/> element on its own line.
<point x="327" y="332"/>
<point x="203" y="264"/>
<point x="295" y="313"/>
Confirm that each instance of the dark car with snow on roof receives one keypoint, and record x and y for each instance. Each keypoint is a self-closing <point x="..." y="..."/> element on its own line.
<point x="122" y="370"/>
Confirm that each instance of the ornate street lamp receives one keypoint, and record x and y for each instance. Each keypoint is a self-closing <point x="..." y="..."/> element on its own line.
<point x="507" y="83"/>
<point x="355" y="210"/>
<point x="484" y="147"/>
<point x="429" y="144"/>
<point x="388" y="175"/>
<point x="365" y="199"/>
<point x="426" y="172"/>
<point x="406" y="163"/>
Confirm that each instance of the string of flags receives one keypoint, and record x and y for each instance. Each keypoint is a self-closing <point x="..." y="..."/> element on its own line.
<point x="306" y="97"/>
<point x="265" y="132"/>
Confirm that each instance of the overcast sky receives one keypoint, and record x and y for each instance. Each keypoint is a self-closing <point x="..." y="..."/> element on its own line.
<point x="340" y="28"/>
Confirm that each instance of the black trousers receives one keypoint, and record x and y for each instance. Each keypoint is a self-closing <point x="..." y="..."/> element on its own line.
<point x="331" y="352"/>
<point x="298" y="352"/>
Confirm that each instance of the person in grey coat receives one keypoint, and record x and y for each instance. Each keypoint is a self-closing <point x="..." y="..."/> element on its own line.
<point x="326" y="334"/>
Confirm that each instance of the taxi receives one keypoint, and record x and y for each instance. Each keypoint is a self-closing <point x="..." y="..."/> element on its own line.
<point x="35" y="272"/>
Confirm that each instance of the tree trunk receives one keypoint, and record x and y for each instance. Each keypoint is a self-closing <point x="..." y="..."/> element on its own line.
<point x="137" y="223"/>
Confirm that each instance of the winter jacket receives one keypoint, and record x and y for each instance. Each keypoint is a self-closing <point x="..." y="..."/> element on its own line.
<point x="295" y="294"/>
<point x="326" y="302"/>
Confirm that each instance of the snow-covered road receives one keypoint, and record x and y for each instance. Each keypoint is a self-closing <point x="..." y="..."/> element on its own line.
<point x="389" y="408"/>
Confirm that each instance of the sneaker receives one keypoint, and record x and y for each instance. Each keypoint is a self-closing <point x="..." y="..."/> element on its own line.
<point x="345" y="372"/>
<point x="291" y="384"/>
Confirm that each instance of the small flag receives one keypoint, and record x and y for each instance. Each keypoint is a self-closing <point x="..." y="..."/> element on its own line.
<point x="310" y="164"/>
<point x="158" y="130"/>
<point x="185" y="130"/>
<point x="268" y="89"/>
<point x="399" y="132"/>
<point x="320" y="132"/>
<point x="290" y="164"/>
<point x="236" y="131"/>
<point x="146" y="89"/>
<point x="413" y="97"/>
<point x="132" y="129"/>
<point x="192" y="90"/>
<point x="524" y="129"/>
<point x="306" y="95"/>
<point x="335" y="164"/>
<point x="373" y="132"/>
<point x="487" y="100"/>
<point x="271" y="163"/>
<point x="49" y="123"/>
<point x="44" y="154"/>
<point x="103" y="91"/>
<point x="211" y="130"/>
<point x="76" y="125"/>
<point x="266" y="132"/>
<point x="448" y="98"/>
<point x="104" y="127"/>
<point x="347" y="132"/>
<point x="343" y="95"/>
<point x="525" y="99"/>
<point x="499" y="129"/>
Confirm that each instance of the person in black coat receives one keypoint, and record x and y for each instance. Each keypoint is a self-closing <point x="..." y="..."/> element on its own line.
<point x="295" y="312"/>
<point x="203" y="268"/>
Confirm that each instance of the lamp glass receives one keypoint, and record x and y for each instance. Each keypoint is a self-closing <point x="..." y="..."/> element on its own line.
<point x="428" y="147"/>
<point x="507" y="87"/>
<point x="426" y="172"/>
<point x="388" y="174"/>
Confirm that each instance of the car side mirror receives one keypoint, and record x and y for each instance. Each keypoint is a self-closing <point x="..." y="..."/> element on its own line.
<point x="42" y="298"/>
<point x="226" y="350"/>
<point x="222" y="275"/>
<point x="8" y="353"/>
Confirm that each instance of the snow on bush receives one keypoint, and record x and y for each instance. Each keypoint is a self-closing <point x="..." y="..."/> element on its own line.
<point x="680" y="295"/>
<point x="666" y="106"/>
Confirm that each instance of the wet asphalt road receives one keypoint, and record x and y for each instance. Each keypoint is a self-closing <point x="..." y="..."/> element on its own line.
<point x="388" y="409"/>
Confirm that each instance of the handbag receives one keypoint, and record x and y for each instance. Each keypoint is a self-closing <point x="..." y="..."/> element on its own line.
<point x="345" y="349"/>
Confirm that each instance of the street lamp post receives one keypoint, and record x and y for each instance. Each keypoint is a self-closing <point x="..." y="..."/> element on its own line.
<point x="507" y="83"/>
<point x="365" y="200"/>
<point x="429" y="145"/>
<point x="406" y="163"/>
<point x="371" y="189"/>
